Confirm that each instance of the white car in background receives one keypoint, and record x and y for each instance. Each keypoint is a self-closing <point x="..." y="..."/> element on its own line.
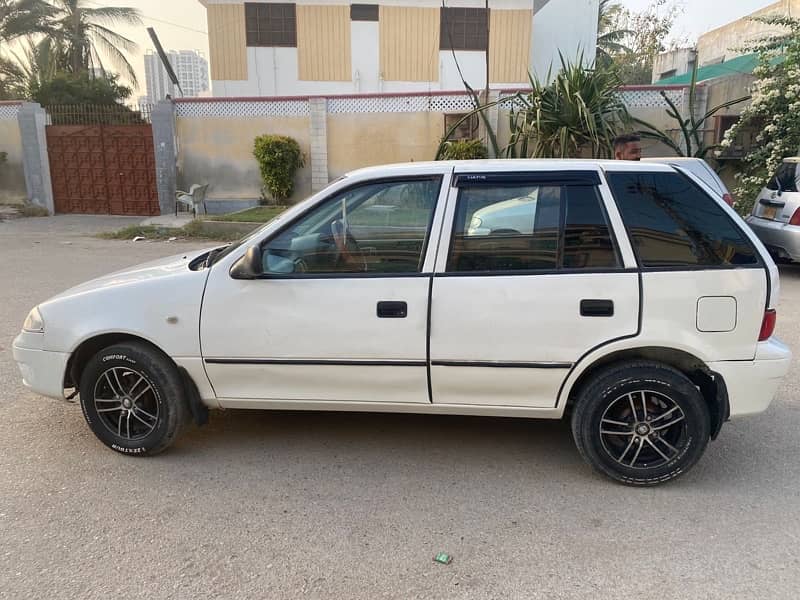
<point x="700" y="169"/>
<point x="627" y="297"/>
<point x="776" y="213"/>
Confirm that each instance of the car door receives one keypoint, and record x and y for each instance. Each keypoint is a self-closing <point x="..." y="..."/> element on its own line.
<point x="529" y="278"/>
<point x="340" y="312"/>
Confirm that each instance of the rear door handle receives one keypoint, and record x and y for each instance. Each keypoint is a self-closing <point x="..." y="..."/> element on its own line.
<point x="597" y="308"/>
<point x="390" y="309"/>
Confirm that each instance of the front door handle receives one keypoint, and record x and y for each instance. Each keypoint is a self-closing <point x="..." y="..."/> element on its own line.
<point x="597" y="308"/>
<point x="389" y="309"/>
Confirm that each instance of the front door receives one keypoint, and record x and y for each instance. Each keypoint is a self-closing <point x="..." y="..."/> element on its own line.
<point x="527" y="281"/>
<point x="341" y="310"/>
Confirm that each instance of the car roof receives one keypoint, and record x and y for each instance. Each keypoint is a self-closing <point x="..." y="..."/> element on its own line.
<point x="505" y="165"/>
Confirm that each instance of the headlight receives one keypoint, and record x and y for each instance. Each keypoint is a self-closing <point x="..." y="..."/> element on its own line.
<point x="34" y="322"/>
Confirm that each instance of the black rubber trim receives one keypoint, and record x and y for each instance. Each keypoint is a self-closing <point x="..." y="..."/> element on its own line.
<point x="501" y="364"/>
<point x="606" y="343"/>
<point x="356" y="275"/>
<point x="318" y="362"/>
<point x="510" y="178"/>
<point x="428" y="341"/>
<point x="531" y="272"/>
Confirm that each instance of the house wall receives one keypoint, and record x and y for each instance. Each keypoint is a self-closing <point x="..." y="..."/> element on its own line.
<point x="12" y="175"/>
<point x="528" y="36"/>
<point x="218" y="150"/>
<point x="722" y="43"/>
<point x="215" y="136"/>
<point x="681" y="61"/>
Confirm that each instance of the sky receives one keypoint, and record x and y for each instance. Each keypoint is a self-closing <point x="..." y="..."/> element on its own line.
<point x="181" y="24"/>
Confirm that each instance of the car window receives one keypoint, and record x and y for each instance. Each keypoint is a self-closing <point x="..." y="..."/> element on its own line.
<point x="373" y="228"/>
<point x="519" y="228"/>
<point x="673" y="223"/>
<point x="785" y="178"/>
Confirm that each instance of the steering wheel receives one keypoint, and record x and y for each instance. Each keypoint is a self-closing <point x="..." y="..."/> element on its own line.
<point x="348" y="254"/>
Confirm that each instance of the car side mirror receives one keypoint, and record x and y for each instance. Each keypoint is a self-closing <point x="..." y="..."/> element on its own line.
<point x="248" y="266"/>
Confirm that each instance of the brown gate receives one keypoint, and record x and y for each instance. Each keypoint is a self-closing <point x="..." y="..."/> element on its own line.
<point x="102" y="163"/>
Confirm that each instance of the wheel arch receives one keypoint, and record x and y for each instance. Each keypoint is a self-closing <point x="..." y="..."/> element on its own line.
<point x="711" y="385"/>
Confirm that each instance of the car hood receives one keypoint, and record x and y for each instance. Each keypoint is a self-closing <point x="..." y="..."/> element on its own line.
<point x="160" y="268"/>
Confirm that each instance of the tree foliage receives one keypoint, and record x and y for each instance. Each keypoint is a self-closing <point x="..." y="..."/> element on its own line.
<point x="278" y="158"/>
<point x="639" y="37"/>
<point x="774" y="109"/>
<point x="610" y="36"/>
<point x="66" y="88"/>
<point x="464" y="150"/>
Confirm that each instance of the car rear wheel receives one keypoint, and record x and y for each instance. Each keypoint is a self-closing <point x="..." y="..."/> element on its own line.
<point x="133" y="399"/>
<point x="641" y="423"/>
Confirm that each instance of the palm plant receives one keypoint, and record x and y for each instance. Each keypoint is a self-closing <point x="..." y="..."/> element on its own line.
<point x="21" y="18"/>
<point x="24" y="72"/>
<point x="691" y="142"/>
<point x="84" y="36"/>
<point x="610" y="39"/>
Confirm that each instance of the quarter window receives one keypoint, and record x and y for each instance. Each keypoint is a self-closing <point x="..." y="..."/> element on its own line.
<point x="673" y="223"/>
<point x="374" y="228"/>
<point x="530" y="227"/>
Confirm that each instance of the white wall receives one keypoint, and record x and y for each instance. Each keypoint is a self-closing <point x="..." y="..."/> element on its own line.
<point x="568" y="25"/>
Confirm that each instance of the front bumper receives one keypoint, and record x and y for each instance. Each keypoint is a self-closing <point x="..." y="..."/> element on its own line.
<point x="752" y="384"/>
<point x="42" y="371"/>
<point x="780" y="238"/>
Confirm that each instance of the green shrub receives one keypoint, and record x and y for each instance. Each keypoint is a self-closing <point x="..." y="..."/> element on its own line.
<point x="3" y="157"/>
<point x="278" y="158"/>
<point x="464" y="150"/>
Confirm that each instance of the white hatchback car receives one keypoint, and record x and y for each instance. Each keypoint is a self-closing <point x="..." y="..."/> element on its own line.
<point x="628" y="297"/>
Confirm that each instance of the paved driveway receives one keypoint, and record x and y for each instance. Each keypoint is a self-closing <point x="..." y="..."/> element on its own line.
<point x="291" y="505"/>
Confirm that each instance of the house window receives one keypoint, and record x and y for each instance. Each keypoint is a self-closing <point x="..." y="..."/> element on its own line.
<point x="270" y="24"/>
<point x="464" y="29"/>
<point x="465" y="131"/>
<point x="364" y="12"/>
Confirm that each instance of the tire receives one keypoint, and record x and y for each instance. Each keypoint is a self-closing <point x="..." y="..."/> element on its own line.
<point x="133" y="399"/>
<point x="621" y="399"/>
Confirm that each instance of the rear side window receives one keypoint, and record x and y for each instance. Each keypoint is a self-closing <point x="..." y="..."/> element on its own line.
<point x="785" y="178"/>
<point x="529" y="228"/>
<point x="673" y="223"/>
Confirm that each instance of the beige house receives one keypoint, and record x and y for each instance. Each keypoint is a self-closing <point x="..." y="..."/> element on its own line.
<point x="325" y="47"/>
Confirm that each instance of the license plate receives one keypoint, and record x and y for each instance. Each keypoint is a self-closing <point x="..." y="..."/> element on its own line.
<point x="769" y="212"/>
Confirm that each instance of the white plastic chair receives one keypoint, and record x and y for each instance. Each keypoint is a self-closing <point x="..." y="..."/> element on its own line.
<point x="195" y="197"/>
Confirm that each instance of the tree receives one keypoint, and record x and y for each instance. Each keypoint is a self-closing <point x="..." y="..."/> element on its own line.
<point x="610" y="39"/>
<point x="22" y="73"/>
<point x="773" y="109"/>
<point x="66" y="88"/>
<point x="21" y="18"/>
<point x="691" y="128"/>
<point x="645" y="36"/>
<point x="83" y="36"/>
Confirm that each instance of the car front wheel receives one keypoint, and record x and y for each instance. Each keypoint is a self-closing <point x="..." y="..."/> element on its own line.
<point x="641" y="423"/>
<point x="132" y="398"/>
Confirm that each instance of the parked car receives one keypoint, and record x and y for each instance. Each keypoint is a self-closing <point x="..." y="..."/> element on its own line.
<point x="776" y="213"/>
<point x="700" y="169"/>
<point x="628" y="298"/>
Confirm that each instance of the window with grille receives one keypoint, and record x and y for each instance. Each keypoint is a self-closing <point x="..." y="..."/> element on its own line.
<point x="270" y="24"/>
<point x="364" y="12"/>
<point x="464" y="29"/>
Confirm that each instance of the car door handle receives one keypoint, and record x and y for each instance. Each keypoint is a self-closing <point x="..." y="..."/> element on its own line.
<point x="392" y="309"/>
<point x="597" y="308"/>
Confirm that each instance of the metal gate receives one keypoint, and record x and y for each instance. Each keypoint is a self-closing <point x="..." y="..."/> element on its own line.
<point x="102" y="162"/>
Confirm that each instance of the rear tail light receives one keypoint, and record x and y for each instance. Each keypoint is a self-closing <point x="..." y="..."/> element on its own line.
<point x="728" y="199"/>
<point x="795" y="220"/>
<point x="767" y="324"/>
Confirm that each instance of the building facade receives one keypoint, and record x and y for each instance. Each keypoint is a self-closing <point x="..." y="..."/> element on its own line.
<point x="317" y="47"/>
<point x="190" y="67"/>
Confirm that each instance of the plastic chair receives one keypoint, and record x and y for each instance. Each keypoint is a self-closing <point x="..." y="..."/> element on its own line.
<point x="195" y="197"/>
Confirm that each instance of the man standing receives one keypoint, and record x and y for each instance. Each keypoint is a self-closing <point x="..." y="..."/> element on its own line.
<point x="628" y="147"/>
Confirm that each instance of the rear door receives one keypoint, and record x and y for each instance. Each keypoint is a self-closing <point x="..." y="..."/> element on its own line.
<point x="704" y="283"/>
<point x="528" y="278"/>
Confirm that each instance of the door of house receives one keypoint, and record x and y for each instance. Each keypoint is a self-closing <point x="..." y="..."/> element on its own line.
<point x="100" y="168"/>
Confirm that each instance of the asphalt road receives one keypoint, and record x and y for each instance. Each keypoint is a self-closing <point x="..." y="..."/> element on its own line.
<point x="338" y="505"/>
